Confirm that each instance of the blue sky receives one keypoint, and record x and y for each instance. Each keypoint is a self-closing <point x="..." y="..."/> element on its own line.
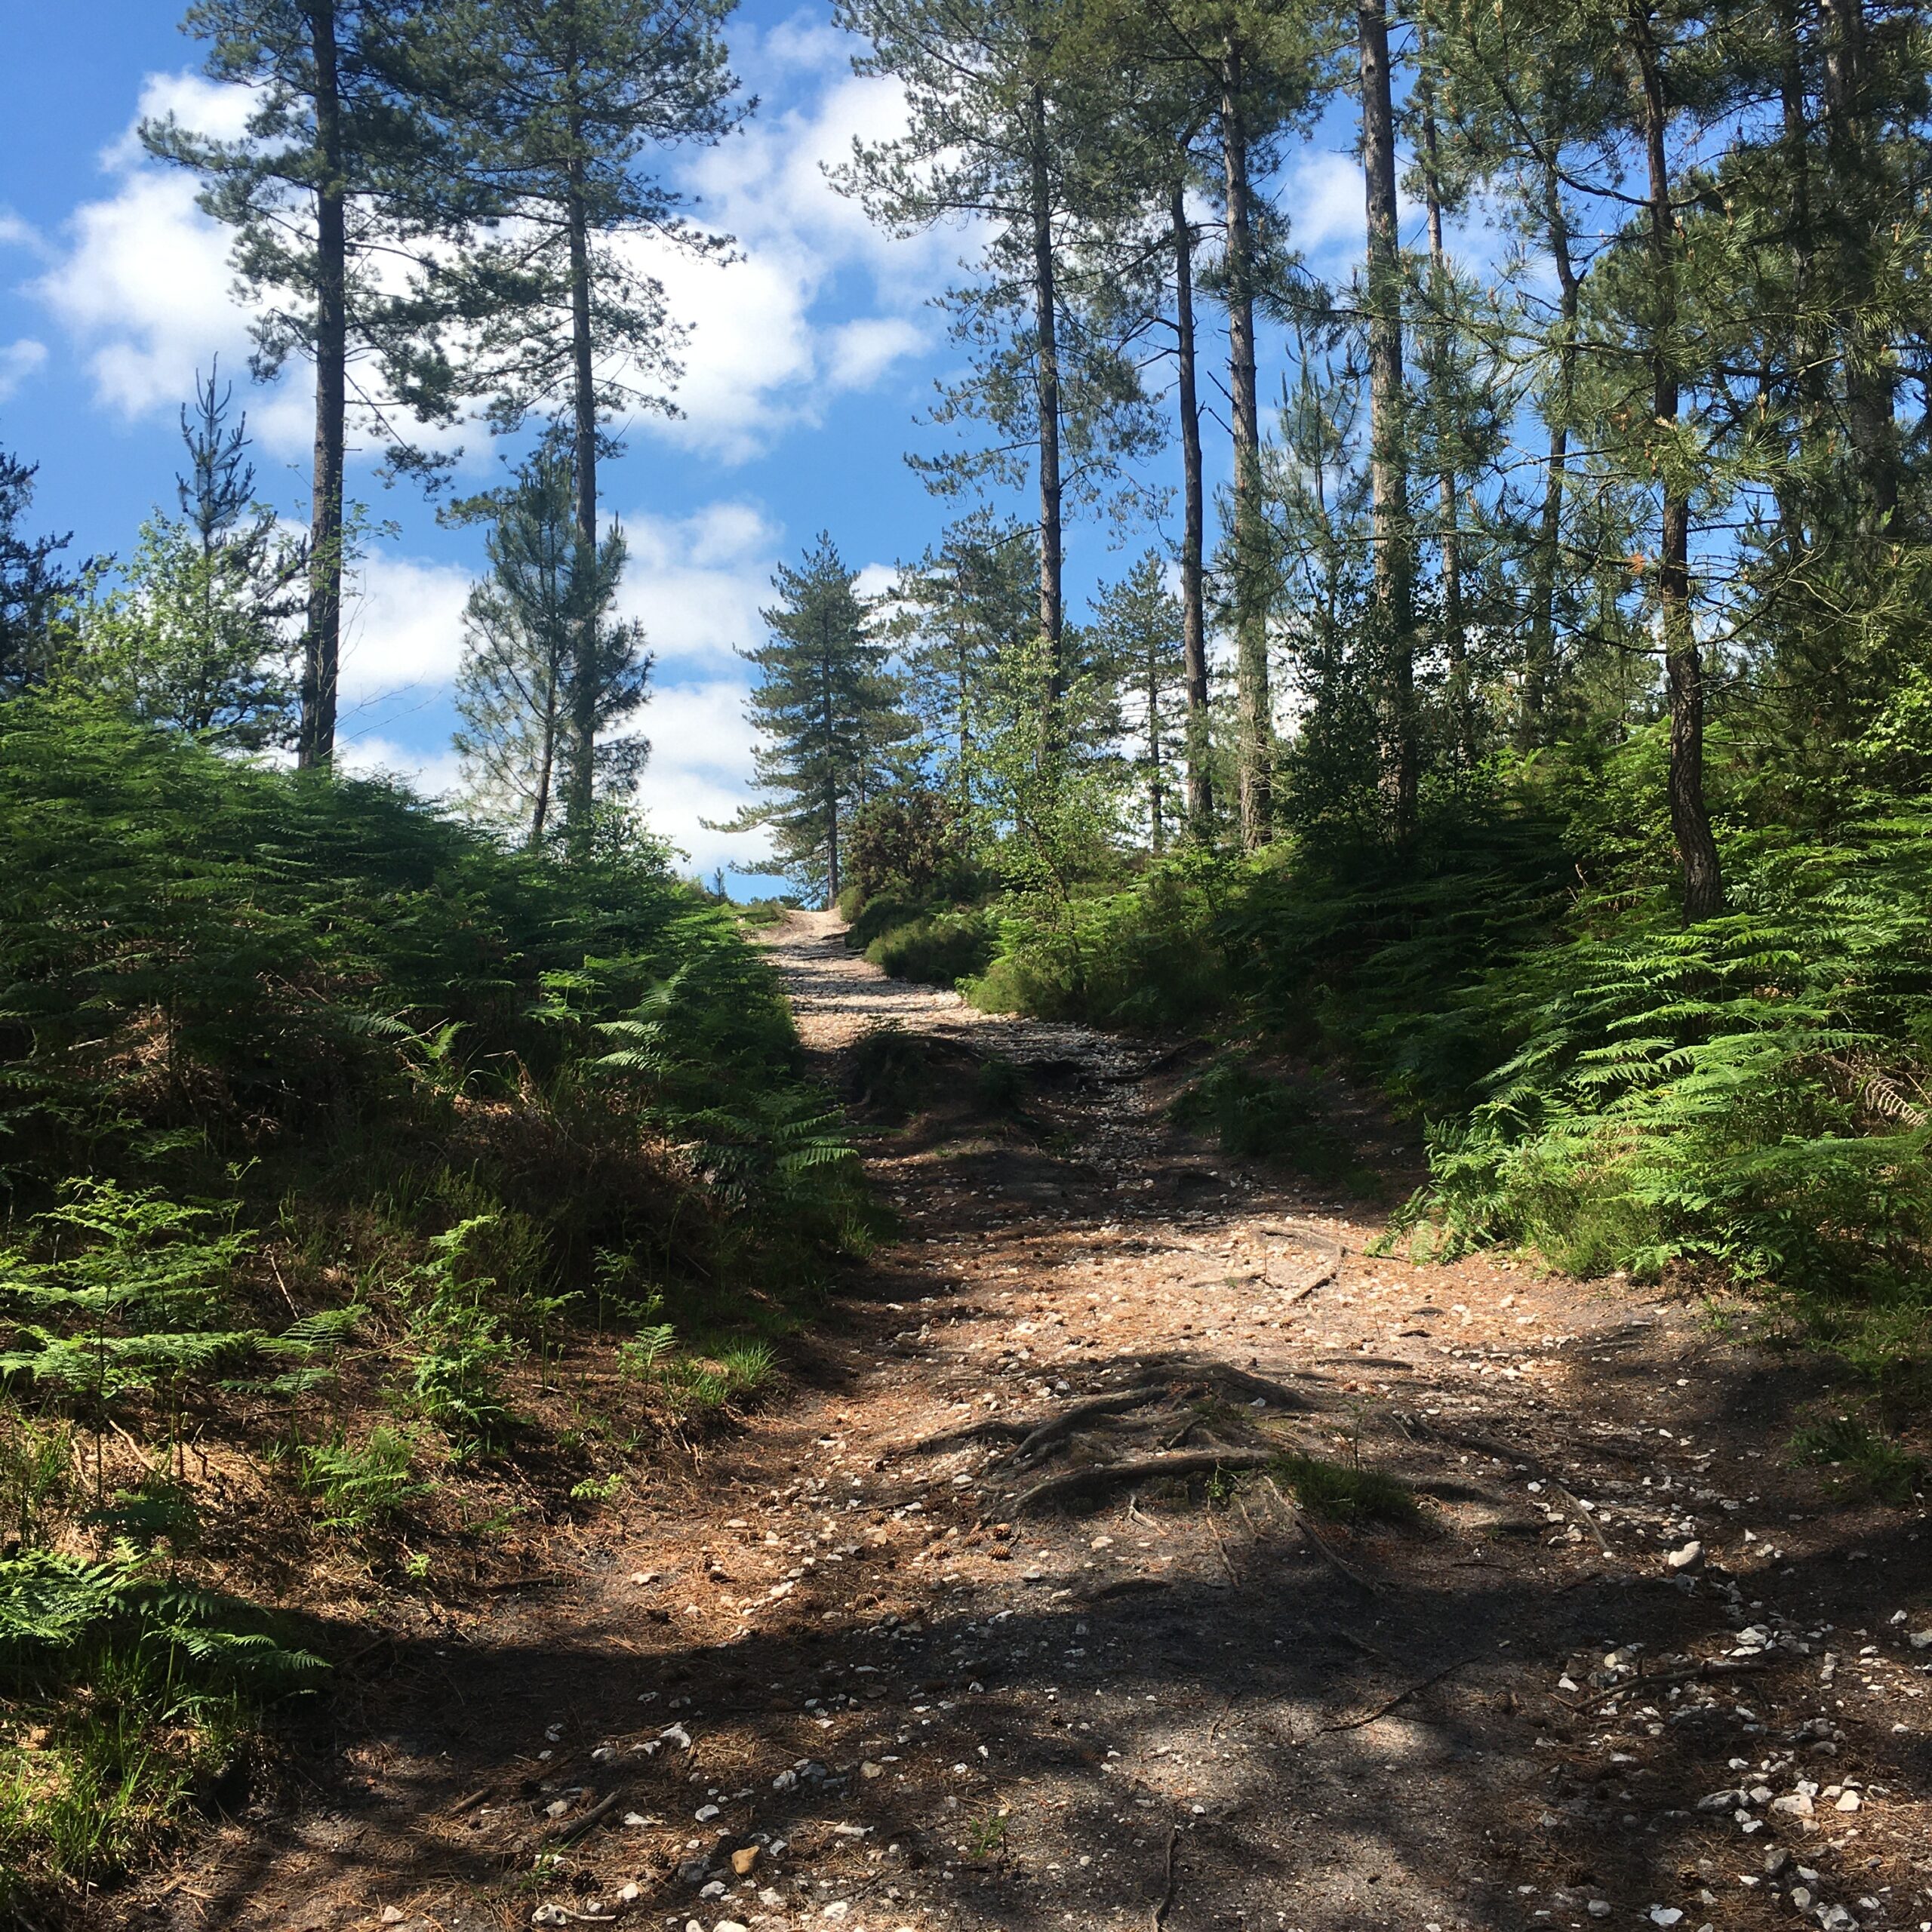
<point x="811" y="360"/>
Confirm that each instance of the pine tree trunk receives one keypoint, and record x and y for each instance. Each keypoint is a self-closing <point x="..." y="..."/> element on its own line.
<point x="1157" y="790"/>
<point x="1868" y="386"/>
<point x="1454" y="643"/>
<point x="1193" y="599"/>
<point x="1254" y="709"/>
<point x="1540" y="666"/>
<point x="1807" y="387"/>
<point x="1388" y="478"/>
<point x="1683" y="677"/>
<point x="1046" y="325"/>
<point x="831" y="763"/>
<point x="580" y="771"/>
<point x="321" y="650"/>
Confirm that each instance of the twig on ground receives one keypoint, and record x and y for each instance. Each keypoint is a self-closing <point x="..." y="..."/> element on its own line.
<point x="1166" y="1898"/>
<point x="1713" y="1667"/>
<point x="578" y="1828"/>
<point x="1299" y="1519"/>
<point x="1402" y="1696"/>
<point x="1587" y="1516"/>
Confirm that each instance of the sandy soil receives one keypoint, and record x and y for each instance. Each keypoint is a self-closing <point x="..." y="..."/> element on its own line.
<point x="837" y="1672"/>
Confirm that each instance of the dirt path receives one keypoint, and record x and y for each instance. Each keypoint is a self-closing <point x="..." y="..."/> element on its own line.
<point x="840" y="1675"/>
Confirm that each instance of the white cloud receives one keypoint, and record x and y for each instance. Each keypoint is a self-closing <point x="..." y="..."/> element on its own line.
<point x="700" y="765"/>
<point x="18" y="361"/>
<point x="1327" y="215"/>
<point x="16" y="233"/>
<point x="697" y="582"/>
<point x="144" y="281"/>
<point x="402" y="629"/>
<point x="433" y="773"/>
<point x="861" y="351"/>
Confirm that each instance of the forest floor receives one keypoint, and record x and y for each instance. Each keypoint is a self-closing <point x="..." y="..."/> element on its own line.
<point x="836" y="1669"/>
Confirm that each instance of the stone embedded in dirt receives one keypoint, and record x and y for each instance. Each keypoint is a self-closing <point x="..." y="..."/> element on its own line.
<point x="1664" y="1914"/>
<point x="727" y="1925"/>
<point x="1850" y="1801"/>
<point x="704" y="1812"/>
<point x="555" y="1809"/>
<point x="1598" y="1908"/>
<point x="1721" y="1801"/>
<point x="393" y="1915"/>
<point x="742" y="1860"/>
<point x="785" y="1780"/>
<point x="1688" y="1556"/>
<point x="629" y="1891"/>
<point x="1921" y="1640"/>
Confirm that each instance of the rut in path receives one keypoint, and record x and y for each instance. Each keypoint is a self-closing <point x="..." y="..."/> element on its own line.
<point x="839" y="1673"/>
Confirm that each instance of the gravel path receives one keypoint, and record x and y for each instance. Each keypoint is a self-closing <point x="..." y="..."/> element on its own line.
<point x="837" y="1675"/>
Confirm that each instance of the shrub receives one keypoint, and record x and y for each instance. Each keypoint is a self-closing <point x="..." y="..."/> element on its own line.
<point x="939" y="951"/>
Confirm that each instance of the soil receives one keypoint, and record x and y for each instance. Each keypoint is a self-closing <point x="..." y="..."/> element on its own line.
<point x="838" y="1670"/>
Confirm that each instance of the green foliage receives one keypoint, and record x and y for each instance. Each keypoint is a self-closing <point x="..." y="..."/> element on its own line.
<point x="1873" y="1464"/>
<point x="360" y="1486"/>
<point x="1346" y="1492"/>
<point x="939" y="950"/>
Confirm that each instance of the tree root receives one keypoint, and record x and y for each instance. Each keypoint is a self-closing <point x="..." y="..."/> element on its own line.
<point x="1097" y="1478"/>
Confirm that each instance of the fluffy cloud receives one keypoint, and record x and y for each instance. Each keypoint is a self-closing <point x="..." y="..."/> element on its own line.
<point x="697" y="582"/>
<point x="700" y="766"/>
<point x="403" y="630"/>
<point x="142" y="281"/>
<point x="369" y="754"/>
<point x="18" y="361"/>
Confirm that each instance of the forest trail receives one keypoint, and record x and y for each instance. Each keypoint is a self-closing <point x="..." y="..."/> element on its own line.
<point x="839" y="1674"/>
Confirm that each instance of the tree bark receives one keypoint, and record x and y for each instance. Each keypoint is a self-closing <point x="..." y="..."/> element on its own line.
<point x="1689" y="817"/>
<point x="1454" y="642"/>
<point x="1046" y="326"/>
<point x="582" y="779"/>
<point x="1255" y="710"/>
<point x="1193" y="600"/>
<point x="1394" y="574"/>
<point x="1867" y="380"/>
<point x="1539" y="666"/>
<point x="321" y="652"/>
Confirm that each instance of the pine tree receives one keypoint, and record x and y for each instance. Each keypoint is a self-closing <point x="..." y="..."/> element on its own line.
<point x="344" y="198"/>
<point x="198" y="638"/>
<point x="826" y="710"/>
<point x="32" y="586"/>
<point x="1137" y="643"/>
<point x="522" y="740"/>
<point x="964" y="605"/>
<point x="563" y="103"/>
<point x="1001" y="125"/>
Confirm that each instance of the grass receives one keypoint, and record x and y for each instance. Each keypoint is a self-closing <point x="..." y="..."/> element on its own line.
<point x="1862" y="1461"/>
<point x="1346" y="1493"/>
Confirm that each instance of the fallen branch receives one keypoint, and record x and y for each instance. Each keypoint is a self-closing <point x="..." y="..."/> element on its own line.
<point x="578" y="1828"/>
<point x="1388" y="1704"/>
<point x="1332" y="1558"/>
<point x="1097" y="1477"/>
<point x="1713" y="1667"/>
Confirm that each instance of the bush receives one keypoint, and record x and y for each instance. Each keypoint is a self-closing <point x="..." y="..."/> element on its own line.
<point x="877" y="916"/>
<point x="937" y="951"/>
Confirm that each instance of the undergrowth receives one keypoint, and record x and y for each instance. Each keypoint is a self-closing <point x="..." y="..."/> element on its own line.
<point x="343" y="1152"/>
